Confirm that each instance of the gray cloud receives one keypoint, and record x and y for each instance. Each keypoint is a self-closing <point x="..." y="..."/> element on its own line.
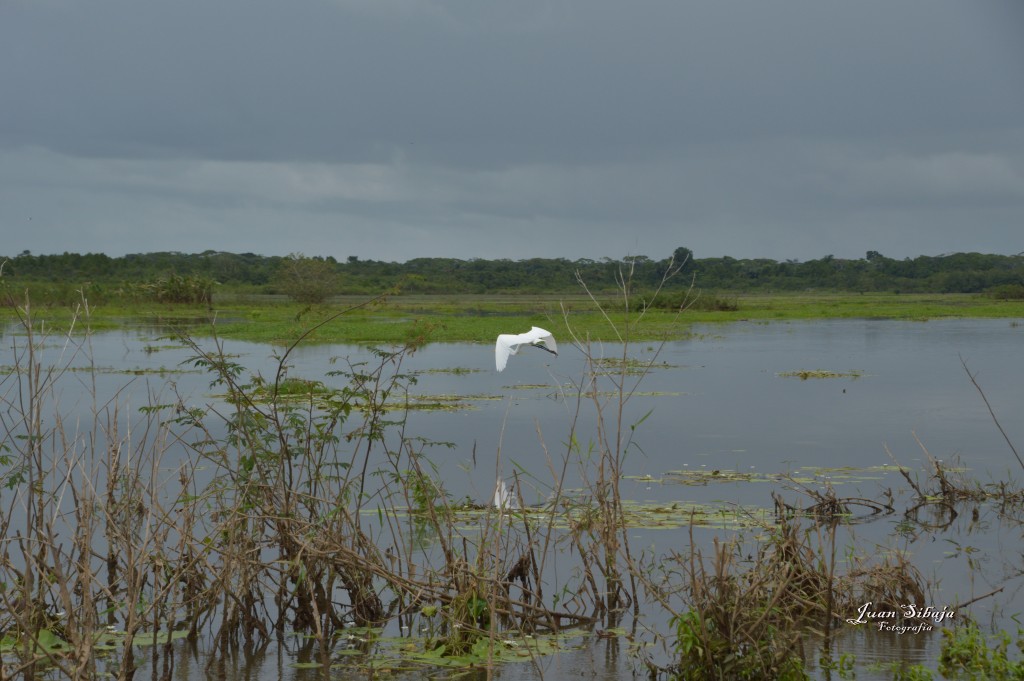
<point x="393" y="129"/>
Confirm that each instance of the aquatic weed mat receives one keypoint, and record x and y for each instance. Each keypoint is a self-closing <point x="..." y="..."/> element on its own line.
<point x="576" y="514"/>
<point x="368" y="651"/>
<point x="804" y="475"/>
<point x="51" y="641"/>
<point x="9" y="369"/>
<point x="805" y="374"/>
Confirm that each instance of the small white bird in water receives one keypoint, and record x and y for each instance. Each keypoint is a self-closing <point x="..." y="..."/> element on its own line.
<point x="504" y="499"/>
<point x="509" y="343"/>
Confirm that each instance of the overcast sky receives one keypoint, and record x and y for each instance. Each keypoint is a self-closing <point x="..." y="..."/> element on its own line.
<point x="395" y="129"/>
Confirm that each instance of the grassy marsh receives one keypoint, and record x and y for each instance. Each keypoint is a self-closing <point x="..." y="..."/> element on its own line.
<point x="401" y="318"/>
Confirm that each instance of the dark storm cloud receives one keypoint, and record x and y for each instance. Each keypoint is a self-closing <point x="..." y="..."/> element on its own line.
<point x="547" y="82"/>
<point x="783" y="129"/>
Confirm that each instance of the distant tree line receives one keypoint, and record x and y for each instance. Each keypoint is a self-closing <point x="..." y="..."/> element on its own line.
<point x="195" y="277"/>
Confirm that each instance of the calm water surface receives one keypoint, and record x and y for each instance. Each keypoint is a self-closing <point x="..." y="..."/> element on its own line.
<point x="723" y="401"/>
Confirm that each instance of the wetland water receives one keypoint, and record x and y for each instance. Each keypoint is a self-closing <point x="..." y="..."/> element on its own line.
<point x="719" y="421"/>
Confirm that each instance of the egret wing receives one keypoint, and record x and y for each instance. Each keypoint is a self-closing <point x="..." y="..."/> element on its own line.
<point x="543" y="336"/>
<point x="502" y="349"/>
<point x="549" y="340"/>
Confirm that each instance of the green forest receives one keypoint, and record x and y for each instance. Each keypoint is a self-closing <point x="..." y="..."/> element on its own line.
<point x="198" y="277"/>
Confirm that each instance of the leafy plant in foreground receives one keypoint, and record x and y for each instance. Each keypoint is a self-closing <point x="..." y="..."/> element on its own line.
<point x="968" y="654"/>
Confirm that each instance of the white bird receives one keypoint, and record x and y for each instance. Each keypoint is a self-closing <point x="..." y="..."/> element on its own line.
<point x="509" y="343"/>
<point x="504" y="499"/>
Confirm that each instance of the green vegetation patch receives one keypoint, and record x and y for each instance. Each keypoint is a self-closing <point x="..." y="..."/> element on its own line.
<point x="806" y="475"/>
<point x="443" y="402"/>
<point x="804" y="374"/>
<point x="454" y="371"/>
<point x="847" y="473"/>
<point x="50" y="641"/>
<point x="481" y="317"/>
<point x="503" y="648"/>
<point x="660" y="516"/>
<point x="7" y="369"/>
<point x="321" y="396"/>
<point x="629" y="365"/>
<point x="581" y="513"/>
<point x="290" y="390"/>
<point x="704" y="476"/>
<point x="369" y="652"/>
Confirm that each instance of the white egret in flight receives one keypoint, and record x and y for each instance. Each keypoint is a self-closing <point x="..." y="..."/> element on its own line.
<point x="509" y="344"/>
